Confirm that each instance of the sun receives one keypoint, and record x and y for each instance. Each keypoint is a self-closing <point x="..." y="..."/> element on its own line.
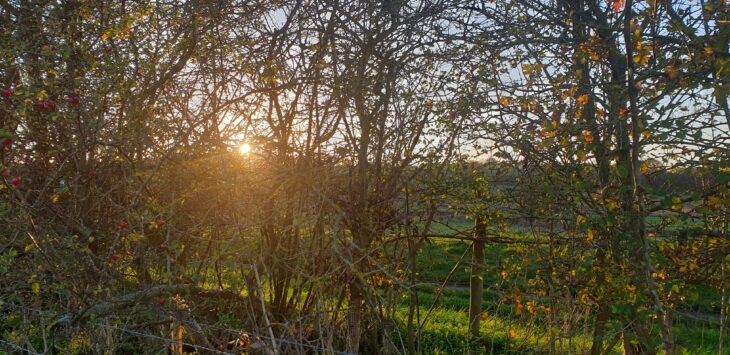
<point x="244" y="149"/>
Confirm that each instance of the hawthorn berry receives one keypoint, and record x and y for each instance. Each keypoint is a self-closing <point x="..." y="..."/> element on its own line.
<point x="45" y="105"/>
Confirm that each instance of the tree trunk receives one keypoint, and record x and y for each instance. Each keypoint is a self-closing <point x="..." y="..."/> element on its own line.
<point x="413" y="304"/>
<point x="476" y="281"/>
<point x="633" y="203"/>
<point x="354" y="319"/>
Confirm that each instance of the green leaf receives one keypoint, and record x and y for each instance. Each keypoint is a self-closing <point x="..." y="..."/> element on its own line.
<point x="622" y="170"/>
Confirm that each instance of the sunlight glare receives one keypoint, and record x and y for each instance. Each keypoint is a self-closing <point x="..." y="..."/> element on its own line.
<point x="244" y="149"/>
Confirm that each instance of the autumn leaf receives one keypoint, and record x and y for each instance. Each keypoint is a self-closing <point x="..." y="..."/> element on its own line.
<point x="526" y="69"/>
<point x="622" y="113"/>
<point x="616" y="5"/>
<point x="644" y="168"/>
<point x="530" y="307"/>
<point x="505" y="101"/>
<point x="512" y="332"/>
<point x="483" y="316"/>
<point x="519" y="308"/>
<point x="611" y="204"/>
<point x="643" y="54"/>
<point x="582" y="99"/>
<point x="672" y="72"/>
<point x="714" y="201"/>
<point x="587" y="136"/>
<point x="676" y="204"/>
<point x="584" y="296"/>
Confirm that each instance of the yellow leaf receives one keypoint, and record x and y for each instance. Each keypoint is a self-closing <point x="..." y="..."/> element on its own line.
<point x="531" y="307"/>
<point x="512" y="332"/>
<point x="505" y="100"/>
<point x="714" y="201"/>
<point x="725" y="169"/>
<point x="526" y="69"/>
<point x="644" y="168"/>
<point x="708" y="50"/>
<point x="584" y="296"/>
<point x="55" y="198"/>
<point x="641" y="60"/>
<point x="580" y="219"/>
<point x="611" y="204"/>
<point x="135" y="237"/>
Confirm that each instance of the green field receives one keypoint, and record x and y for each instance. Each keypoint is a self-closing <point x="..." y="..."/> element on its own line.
<point x="696" y="329"/>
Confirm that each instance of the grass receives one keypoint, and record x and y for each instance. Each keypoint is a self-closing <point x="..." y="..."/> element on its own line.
<point x="445" y="333"/>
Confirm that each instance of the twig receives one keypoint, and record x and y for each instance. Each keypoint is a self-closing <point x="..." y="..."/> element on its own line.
<point x="263" y="308"/>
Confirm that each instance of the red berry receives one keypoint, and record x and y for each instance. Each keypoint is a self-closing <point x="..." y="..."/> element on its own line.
<point x="115" y="257"/>
<point x="161" y="301"/>
<point x="92" y="173"/>
<point x="16" y="181"/>
<point x="221" y="347"/>
<point x="160" y="222"/>
<point x="108" y="49"/>
<point x="73" y="100"/>
<point x="45" y="105"/>
<point x="7" y="92"/>
<point x="122" y="225"/>
<point x="7" y="142"/>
